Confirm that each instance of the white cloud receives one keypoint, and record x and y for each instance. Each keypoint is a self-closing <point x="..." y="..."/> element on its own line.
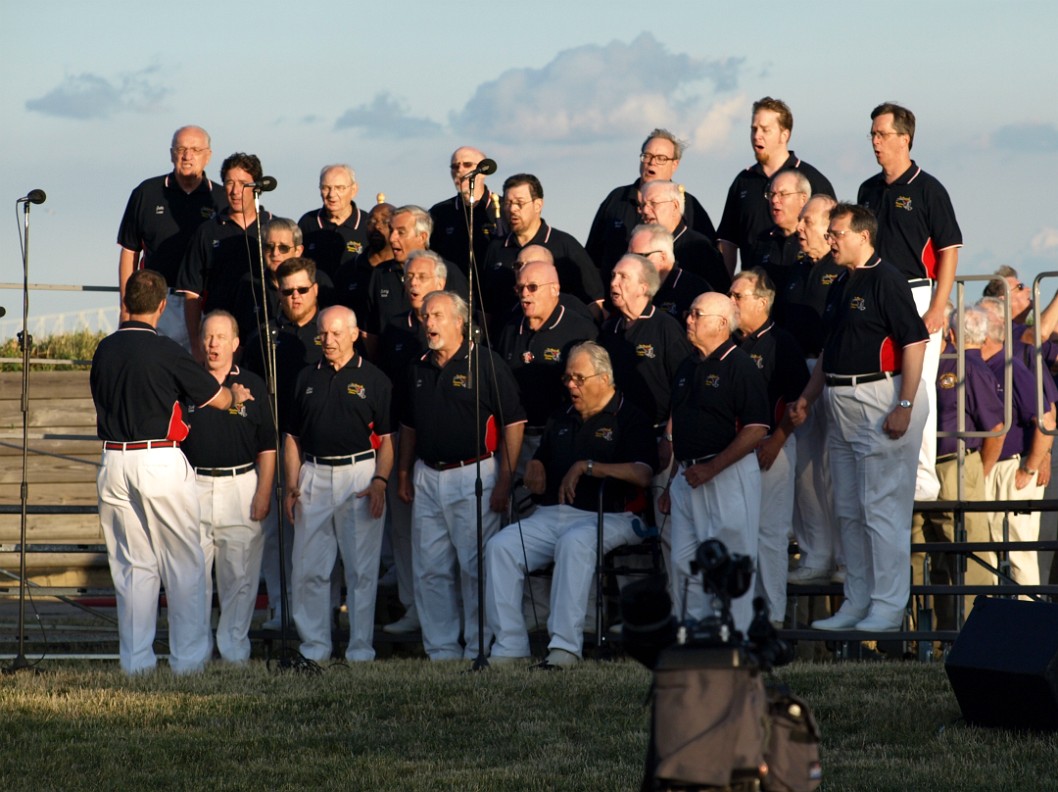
<point x="386" y="116"/>
<point x="1046" y="241"/>
<point x="87" y="95"/>
<point x="594" y="93"/>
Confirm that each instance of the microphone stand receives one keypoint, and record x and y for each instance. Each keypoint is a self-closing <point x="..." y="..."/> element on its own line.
<point x="20" y="663"/>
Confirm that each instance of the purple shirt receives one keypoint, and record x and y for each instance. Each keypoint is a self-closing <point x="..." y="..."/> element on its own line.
<point x="1023" y="401"/>
<point x="984" y="409"/>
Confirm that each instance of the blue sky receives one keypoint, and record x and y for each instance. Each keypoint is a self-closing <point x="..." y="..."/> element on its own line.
<point x="567" y="90"/>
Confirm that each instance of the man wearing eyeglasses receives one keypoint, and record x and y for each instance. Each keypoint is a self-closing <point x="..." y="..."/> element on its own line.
<point x="662" y="202"/>
<point x="162" y="214"/>
<point x="336" y="232"/>
<point x="713" y="489"/>
<point x="746" y="213"/>
<point x="523" y="205"/>
<point x="659" y="158"/>
<point x="777" y="250"/>
<point x="679" y="287"/>
<point x="871" y="367"/>
<point x="781" y="361"/>
<point x="601" y="435"/>
<point x="919" y="235"/>
<point x="451" y="218"/>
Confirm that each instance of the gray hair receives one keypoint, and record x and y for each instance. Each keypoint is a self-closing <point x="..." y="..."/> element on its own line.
<point x="599" y="357"/>
<point x="664" y="134"/>
<point x="440" y="269"/>
<point x="285" y="224"/>
<point x="803" y="185"/>
<point x="458" y="303"/>
<point x="339" y="166"/>
<point x="975" y="323"/>
<point x="660" y="237"/>
<point x="423" y="221"/>
<point x="648" y="273"/>
<point x="670" y="192"/>
<point x="761" y="283"/>
<point x="997" y="326"/>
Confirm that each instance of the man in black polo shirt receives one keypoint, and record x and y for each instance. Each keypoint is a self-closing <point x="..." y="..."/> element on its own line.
<point x="659" y="157"/>
<point x="336" y="232"/>
<point x="872" y="368"/>
<point x="601" y="436"/>
<point x="679" y="287"/>
<point x="662" y="202"/>
<point x="223" y="249"/>
<point x="350" y="284"/>
<point x="777" y="249"/>
<point x="719" y="416"/>
<point x="234" y="456"/>
<point x="919" y="235"/>
<point x="523" y="205"/>
<point x="451" y="218"/>
<point x="148" y="509"/>
<point x="781" y="361"/>
<point x="746" y="210"/>
<point x="162" y="214"/>
<point x="454" y="418"/>
<point x="337" y="458"/>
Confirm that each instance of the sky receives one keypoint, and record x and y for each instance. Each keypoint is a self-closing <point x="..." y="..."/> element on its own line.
<point x="92" y="92"/>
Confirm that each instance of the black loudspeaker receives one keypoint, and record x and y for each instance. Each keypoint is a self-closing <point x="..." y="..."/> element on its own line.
<point x="1003" y="667"/>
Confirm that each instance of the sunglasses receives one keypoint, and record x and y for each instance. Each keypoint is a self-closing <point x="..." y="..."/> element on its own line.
<point x="298" y="289"/>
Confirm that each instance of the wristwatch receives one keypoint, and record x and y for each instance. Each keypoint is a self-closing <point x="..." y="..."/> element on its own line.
<point x="591" y="464"/>
<point x="905" y="403"/>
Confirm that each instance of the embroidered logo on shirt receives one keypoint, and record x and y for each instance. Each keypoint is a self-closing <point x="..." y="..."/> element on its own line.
<point x="352" y="246"/>
<point x="527" y="357"/>
<point x="947" y="380"/>
<point x="356" y="389"/>
<point x="552" y="355"/>
<point x="904" y="202"/>
<point x="159" y="209"/>
<point x="206" y="212"/>
<point x="459" y="381"/>
<point x="308" y="391"/>
<point x="645" y="350"/>
<point x="758" y="360"/>
<point x="858" y="304"/>
<point x="712" y="381"/>
<point x="604" y="433"/>
<point x="240" y="410"/>
<point x="828" y="278"/>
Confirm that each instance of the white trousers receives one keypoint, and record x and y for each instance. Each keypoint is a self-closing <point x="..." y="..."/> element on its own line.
<point x="927" y="485"/>
<point x="726" y="508"/>
<point x="1021" y="527"/>
<point x="444" y="550"/>
<point x="233" y="543"/>
<point x="776" y="518"/>
<point x="399" y="522"/>
<point x="330" y="519"/>
<point x="149" y="515"/>
<point x="874" y="493"/>
<point x="568" y="537"/>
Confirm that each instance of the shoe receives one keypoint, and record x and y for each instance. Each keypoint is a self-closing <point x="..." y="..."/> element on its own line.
<point x="838" y="576"/>
<point x="842" y="620"/>
<point x="408" y="623"/>
<point x="808" y="576"/>
<point x="880" y="624"/>
<point x="560" y="658"/>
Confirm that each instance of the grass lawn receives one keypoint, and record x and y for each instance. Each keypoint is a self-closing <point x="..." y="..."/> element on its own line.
<point x="412" y="725"/>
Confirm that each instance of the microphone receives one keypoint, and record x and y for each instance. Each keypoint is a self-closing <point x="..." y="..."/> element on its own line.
<point x="3" y="311"/>
<point x="484" y="168"/>
<point x="34" y="197"/>
<point x="267" y="184"/>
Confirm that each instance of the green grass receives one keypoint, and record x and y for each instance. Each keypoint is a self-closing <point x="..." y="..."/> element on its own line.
<point x="79" y="345"/>
<point x="412" y="725"/>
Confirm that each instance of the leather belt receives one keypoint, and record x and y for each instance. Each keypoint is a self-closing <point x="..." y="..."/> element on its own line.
<point x="139" y="445"/>
<point x="339" y="461"/>
<point x="238" y="470"/>
<point x="696" y="461"/>
<point x="452" y="465"/>
<point x="839" y="380"/>
<point x="914" y="283"/>
<point x="950" y="457"/>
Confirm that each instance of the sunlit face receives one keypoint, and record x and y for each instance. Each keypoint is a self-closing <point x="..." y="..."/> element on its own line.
<point x="240" y="196"/>
<point x="587" y="389"/>
<point x="627" y="288"/>
<point x="279" y="246"/>
<point x="846" y="245"/>
<point x="785" y="201"/>
<point x="336" y="336"/>
<point x="402" y="237"/>
<point x="297" y="297"/>
<point x="751" y="308"/>
<point x="521" y="209"/>
<point x="444" y="328"/>
<point x="656" y="206"/>
<point x="891" y="148"/>
<point x="657" y="160"/>
<point x="190" y="153"/>
<point x="338" y="191"/>
<point x="463" y="162"/>
<point x="812" y="228"/>
<point x="219" y="342"/>
<point x="419" y="280"/>
<point x="1020" y="296"/>
<point x="536" y="285"/>
<point x="707" y="320"/>
<point x="767" y="137"/>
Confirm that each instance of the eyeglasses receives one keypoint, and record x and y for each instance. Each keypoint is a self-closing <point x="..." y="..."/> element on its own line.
<point x="455" y="166"/>
<point x="517" y="204"/>
<point x="532" y="288"/>
<point x="411" y="277"/>
<point x="737" y="296"/>
<point x="697" y="314"/>
<point x="578" y="379"/>
<point x="655" y="204"/>
<point x="270" y="246"/>
<point x="182" y="150"/>
<point x="833" y="236"/>
<point x="298" y="289"/>
<point x="335" y="188"/>
<point x="882" y="135"/>
<point x="769" y="194"/>
<point x="1020" y="287"/>
<point x="646" y="158"/>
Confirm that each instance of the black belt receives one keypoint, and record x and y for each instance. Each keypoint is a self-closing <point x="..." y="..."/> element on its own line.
<point x="339" y="461"/>
<point x="452" y="465"/>
<point x="950" y="457"/>
<point x="916" y="282"/>
<point x="224" y="471"/>
<point x="696" y="461"/>
<point x="838" y="380"/>
<point x="139" y="445"/>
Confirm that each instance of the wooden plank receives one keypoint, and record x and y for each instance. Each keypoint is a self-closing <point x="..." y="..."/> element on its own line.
<point x="77" y="493"/>
<point x="66" y="443"/>
<point x="52" y="562"/>
<point x="51" y="529"/>
<point x="48" y="412"/>
<point x="74" y="578"/>
<point x="50" y="470"/>
<point x="56" y="384"/>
